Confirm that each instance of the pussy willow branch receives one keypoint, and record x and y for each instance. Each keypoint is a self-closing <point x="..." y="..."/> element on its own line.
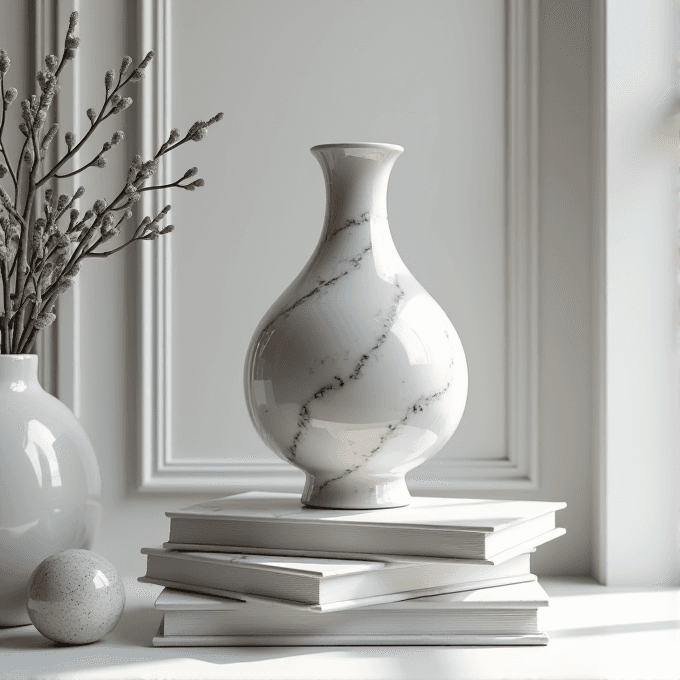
<point x="7" y="303"/>
<point x="22" y="252"/>
<point x="75" y="172"/>
<point x="33" y="186"/>
<point x="21" y="158"/>
<point x="22" y="271"/>
<point x="35" y="252"/>
<point x="5" y="106"/>
<point x="88" y="134"/>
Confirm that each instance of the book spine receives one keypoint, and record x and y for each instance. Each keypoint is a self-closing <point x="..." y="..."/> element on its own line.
<point x="346" y="640"/>
<point x="338" y="537"/>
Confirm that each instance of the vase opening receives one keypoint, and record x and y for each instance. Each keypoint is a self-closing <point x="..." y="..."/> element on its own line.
<point x="19" y="368"/>
<point x="359" y="145"/>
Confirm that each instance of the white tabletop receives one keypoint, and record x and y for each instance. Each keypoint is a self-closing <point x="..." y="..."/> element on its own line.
<point x="595" y="632"/>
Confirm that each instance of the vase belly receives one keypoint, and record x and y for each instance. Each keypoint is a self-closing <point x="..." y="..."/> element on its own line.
<point x="49" y="484"/>
<point x="356" y="375"/>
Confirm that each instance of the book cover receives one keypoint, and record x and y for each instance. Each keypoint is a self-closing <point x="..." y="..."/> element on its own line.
<point x="500" y="615"/>
<point x="290" y="605"/>
<point x="530" y="594"/>
<point x="525" y="547"/>
<point x="440" y="527"/>
<point x="160" y="640"/>
<point x="318" y="581"/>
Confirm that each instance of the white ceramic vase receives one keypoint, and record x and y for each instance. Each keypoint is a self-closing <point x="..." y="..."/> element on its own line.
<point x="49" y="482"/>
<point x="355" y="375"/>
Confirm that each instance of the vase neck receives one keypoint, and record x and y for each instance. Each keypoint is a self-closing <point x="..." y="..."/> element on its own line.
<point x="356" y="177"/>
<point x="19" y="370"/>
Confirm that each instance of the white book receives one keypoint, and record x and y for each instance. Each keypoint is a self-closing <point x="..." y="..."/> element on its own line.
<point x="526" y="547"/>
<point x="161" y="640"/>
<point x="438" y="527"/>
<point x="509" y="612"/>
<point x="513" y="596"/>
<point x="322" y="584"/>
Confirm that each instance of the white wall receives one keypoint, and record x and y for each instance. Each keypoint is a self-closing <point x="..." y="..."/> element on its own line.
<point x="641" y="480"/>
<point x="288" y="75"/>
<point x="263" y="202"/>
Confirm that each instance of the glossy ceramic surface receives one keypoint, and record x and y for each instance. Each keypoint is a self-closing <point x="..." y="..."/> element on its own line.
<point x="75" y="596"/>
<point x="49" y="482"/>
<point x="355" y="374"/>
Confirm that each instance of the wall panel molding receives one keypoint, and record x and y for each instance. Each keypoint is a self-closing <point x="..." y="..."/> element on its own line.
<point x="155" y="322"/>
<point x="67" y="330"/>
<point x="42" y="18"/>
<point x="515" y="468"/>
<point x="599" y="272"/>
<point x="58" y="346"/>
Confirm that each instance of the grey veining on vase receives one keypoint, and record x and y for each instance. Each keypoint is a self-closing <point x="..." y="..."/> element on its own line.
<point x="49" y="482"/>
<point x="355" y="374"/>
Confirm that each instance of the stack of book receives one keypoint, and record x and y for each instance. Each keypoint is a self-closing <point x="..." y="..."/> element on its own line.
<point x="259" y="568"/>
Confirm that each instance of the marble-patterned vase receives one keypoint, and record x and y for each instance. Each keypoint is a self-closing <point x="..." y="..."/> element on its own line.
<point x="355" y="375"/>
<point x="49" y="482"/>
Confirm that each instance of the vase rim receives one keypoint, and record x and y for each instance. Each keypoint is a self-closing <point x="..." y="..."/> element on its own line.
<point x="360" y="145"/>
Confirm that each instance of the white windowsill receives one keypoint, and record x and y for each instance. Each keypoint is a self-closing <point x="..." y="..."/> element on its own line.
<point x="595" y="632"/>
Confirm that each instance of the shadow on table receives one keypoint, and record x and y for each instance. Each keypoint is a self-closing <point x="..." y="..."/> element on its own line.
<point x="615" y="629"/>
<point x="27" y="641"/>
<point x="136" y="628"/>
<point x="563" y="587"/>
<point x="403" y="663"/>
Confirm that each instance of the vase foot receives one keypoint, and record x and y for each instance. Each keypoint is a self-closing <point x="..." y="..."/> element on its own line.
<point x="351" y="493"/>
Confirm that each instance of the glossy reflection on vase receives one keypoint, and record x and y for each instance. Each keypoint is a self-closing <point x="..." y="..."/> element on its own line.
<point x="356" y="375"/>
<point x="49" y="482"/>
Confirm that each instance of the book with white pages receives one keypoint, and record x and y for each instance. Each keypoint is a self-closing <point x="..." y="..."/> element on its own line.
<point x="322" y="584"/>
<point x="509" y="612"/>
<point x="527" y="546"/>
<point x="463" y="528"/>
<point x="162" y="640"/>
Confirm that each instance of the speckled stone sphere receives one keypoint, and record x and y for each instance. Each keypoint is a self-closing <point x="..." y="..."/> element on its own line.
<point x="75" y="596"/>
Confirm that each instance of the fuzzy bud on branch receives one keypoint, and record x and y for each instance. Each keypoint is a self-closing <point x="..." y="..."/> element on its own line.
<point x="4" y="197"/>
<point x="72" y="42"/>
<point x="124" y="103"/>
<point x="51" y="62"/>
<point x="29" y="156"/>
<point x="46" y="319"/>
<point x="39" y="120"/>
<point x="47" y="139"/>
<point x="4" y="62"/>
<point x="147" y="59"/>
<point x="125" y="65"/>
<point x="10" y="95"/>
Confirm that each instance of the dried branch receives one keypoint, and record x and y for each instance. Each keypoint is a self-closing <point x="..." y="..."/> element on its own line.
<point x="7" y="98"/>
<point x="39" y="257"/>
